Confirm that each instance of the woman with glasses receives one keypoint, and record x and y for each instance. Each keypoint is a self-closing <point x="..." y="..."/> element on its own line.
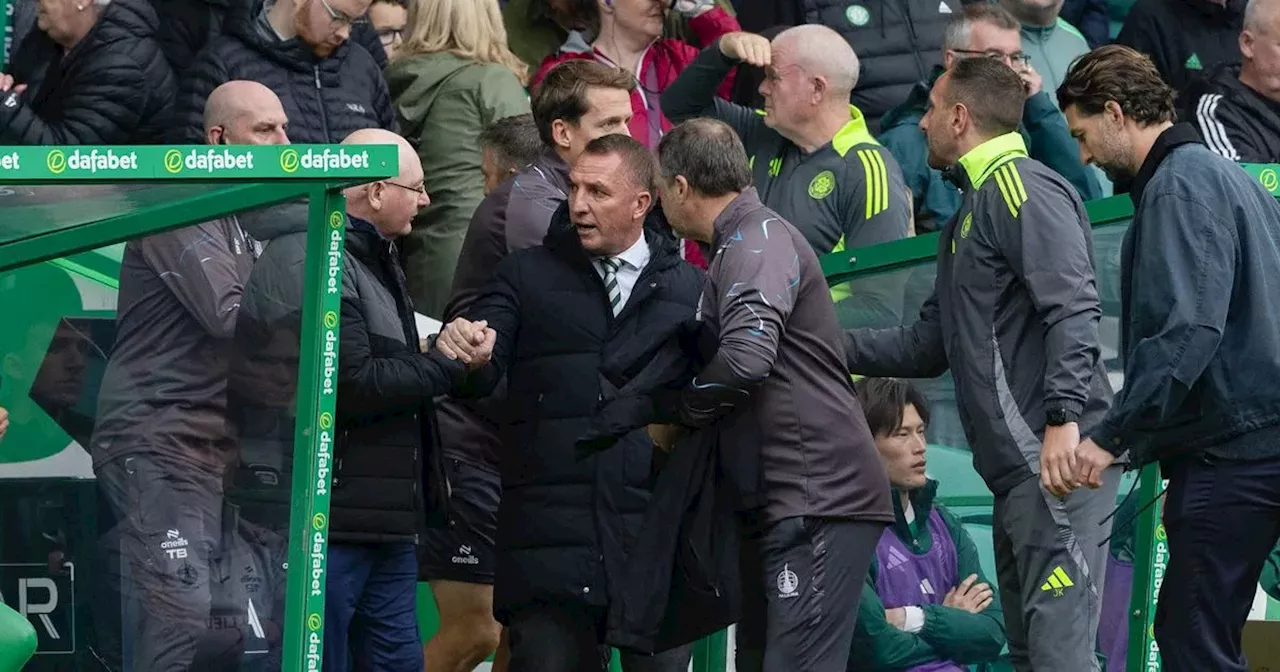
<point x="451" y="77"/>
<point x="330" y="86"/>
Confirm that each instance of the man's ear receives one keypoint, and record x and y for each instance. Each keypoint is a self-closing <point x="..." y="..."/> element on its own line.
<point x="820" y="89"/>
<point x="683" y="190"/>
<point x="644" y="201"/>
<point x="560" y="133"/>
<point x="375" y="193"/>
<point x="214" y="135"/>
<point x="1111" y="110"/>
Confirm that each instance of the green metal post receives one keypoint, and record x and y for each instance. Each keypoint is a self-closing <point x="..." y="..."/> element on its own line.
<point x="711" y="654"/>
<point x="7" y="8"/>
<point x="314" y="434"/>
<point x="1151" y="544"/>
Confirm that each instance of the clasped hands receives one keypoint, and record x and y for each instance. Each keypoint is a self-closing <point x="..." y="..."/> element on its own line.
<point x="1066" y="462"/>
<point x="470" y="342"/>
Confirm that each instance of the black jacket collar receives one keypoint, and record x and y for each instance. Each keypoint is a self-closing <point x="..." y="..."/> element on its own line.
<point x="729" y="218"/>
<point x="1174" y="136"/>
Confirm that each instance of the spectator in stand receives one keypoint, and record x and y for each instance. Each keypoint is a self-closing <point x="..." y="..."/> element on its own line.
<point x="453" y="76"/>
<point x="575" y="318"/>
<point x="813" y="160"/>
<point x="899" y="42"/>
<point x="1050" y="42"/>
<point x="926" y="604"/>
<point x="1236" y="107"/>
<point x="630" y="37"/>
<point x="1015" y="317"/>
<point x="536" y="29"/>
<point x="190" y="25"/>
<point x="162" y="443"/>
<point x="981" y="30"/>
<point x="1201" y="348"/>
<point x="507" y="146"/>
<point x="1091" y="17"/>
<point x="109" y="83"/>
<point x="389" y="18"/>
<point x="578" y="102"/>
<point x="298" y="49"/>
<point x="1184" y="38"/>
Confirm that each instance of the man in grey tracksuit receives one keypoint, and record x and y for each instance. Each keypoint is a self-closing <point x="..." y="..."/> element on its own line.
<point x="1015" y="316"/>
<point x="812" y="502"/>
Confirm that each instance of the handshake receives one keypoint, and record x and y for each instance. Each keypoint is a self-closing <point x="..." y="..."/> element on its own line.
<point x="471" y="342"/>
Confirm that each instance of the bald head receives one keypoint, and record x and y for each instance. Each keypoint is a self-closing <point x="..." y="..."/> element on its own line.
<point x="820" y="51"/>
<point x="390" y="205"/>
<point x="244" y="113"/>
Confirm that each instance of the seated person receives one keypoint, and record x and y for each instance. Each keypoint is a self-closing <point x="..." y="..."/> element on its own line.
<point x="926" y="604"/>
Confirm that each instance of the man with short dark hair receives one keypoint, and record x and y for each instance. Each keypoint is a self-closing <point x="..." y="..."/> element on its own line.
<point x="812" y="502"/>
<point x="578" y="102"/>
<point x="1199" y="339"/>
<point x="980" y="30"/>
<point x="1015" y="314"/>
<point x="507" y="146"/>
<point x="926" y="604"/>
<point x="576" y="318"/>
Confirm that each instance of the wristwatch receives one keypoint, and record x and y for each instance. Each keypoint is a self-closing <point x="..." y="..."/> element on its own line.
<point x="1056" y="417"/>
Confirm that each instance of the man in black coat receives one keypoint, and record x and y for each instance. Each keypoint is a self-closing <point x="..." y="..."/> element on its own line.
<point x="330" y="87"/>
<point x="576" y="319"/>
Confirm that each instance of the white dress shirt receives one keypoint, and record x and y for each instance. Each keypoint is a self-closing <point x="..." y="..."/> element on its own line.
<point x="633" y="259"/>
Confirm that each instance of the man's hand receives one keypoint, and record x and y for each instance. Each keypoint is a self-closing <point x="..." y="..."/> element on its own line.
<point x="1030" y="80"/>
<point x="1091" y="461"/>
<point x="664" y="436"/>
<point x="4" y="422"/>
<point x="970" y="596"/>
<point x="897" y="617"/>
<point x="8" y="83"/>
<point x="467" y="341"/>
<point x="747" y="48"/>
<point x="1058" y="459"/>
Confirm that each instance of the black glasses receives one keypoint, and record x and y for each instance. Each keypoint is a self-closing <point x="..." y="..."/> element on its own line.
<point x="420" y="189"/>
<point x="340" y="19"/>
<point x="1019" y="59"/>
<point x="390" y="36"/>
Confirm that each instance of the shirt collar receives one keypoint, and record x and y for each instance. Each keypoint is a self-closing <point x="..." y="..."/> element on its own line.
<point x="1174" y="136"/>
<point x="982" y="160"/>
<point x="853" y="133"/>
<point x="635" y="256"/>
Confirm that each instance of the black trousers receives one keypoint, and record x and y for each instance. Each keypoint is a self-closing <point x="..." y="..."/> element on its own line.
<point x="568" y="638"/>
<point x="1222" y="518"/>
<point x="802" y="580"/>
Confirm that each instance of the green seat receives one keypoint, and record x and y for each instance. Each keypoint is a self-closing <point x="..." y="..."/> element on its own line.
<point x="17" y="640"/>
<point x="953" y="468"/>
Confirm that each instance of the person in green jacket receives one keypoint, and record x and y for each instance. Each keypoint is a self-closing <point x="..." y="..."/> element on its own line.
<point x="926" y="604"/>
<point x="989" y="30"/>
<point x="452" y="76"/>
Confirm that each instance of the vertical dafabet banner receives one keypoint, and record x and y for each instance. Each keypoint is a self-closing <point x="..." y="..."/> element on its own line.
<point x="316" y="430"/>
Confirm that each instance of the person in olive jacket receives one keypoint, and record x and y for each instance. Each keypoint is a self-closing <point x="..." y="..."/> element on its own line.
<point x="926" y="605"/>
<point x="93" y="74"/>
<point x="449" y="81"/>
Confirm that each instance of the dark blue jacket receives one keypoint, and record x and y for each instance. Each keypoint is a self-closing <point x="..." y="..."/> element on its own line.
<point x="1199" y="326"/>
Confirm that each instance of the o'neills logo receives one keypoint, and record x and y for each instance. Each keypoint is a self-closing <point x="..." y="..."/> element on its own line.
<point x="89" y="162"/>
<point x="208" y="160"/>
<point x="325" y="161"/>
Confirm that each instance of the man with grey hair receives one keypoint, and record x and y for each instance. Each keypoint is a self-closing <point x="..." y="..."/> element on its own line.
<point x="1236" y="107"/>
<point x="812" y="503"/>
<point x="977" y="31"/>
<point x="812" y="157"/>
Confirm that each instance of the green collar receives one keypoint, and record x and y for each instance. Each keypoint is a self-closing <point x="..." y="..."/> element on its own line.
<point x="853" y="133"/>
<point x="982" y="160"/>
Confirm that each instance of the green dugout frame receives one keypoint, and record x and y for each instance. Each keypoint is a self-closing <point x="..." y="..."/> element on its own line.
<point x="192" y="184"/>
